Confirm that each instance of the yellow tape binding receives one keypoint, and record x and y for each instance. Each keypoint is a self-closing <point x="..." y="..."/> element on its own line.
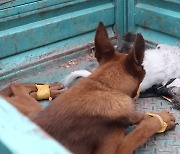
<point x="43" y="92"/>
<point x="138" y="93"/>
<point x="163" y="124"/>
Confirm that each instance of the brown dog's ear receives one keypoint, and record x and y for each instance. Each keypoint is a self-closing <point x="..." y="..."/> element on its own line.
<point x="104" y="48"/>
<point x="136" y="54"/>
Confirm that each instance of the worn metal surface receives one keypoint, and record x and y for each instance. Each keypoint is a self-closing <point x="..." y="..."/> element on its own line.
<point x="157" y="20"/>
<point x="164" y="143"/>
<point x="2" y="2"/>
<point x="34" y="61"/>
<point x="29" y="7"/>
<point x="120" y="18"/>
<point x="68" y="20"/>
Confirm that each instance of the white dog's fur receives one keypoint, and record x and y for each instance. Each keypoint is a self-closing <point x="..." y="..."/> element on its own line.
<point x="161" y="65"/>
<point x="74" y="75"/>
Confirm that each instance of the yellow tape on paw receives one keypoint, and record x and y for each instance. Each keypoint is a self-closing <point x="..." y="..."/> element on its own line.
<point x="163" y="124"/>
<point x="43" y="92"/>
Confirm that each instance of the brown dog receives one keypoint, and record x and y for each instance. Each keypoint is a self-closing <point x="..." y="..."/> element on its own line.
<point x="91" y="117"/>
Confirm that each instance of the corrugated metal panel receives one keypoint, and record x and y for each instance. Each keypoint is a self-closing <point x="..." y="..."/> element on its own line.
<point x="25" y="31"/>
<point x="157" y="20"/>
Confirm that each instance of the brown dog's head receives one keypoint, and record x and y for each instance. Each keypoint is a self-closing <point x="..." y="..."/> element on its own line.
<point x="123" y="72"/>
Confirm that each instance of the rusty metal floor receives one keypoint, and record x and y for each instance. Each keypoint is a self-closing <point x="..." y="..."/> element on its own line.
<point x="164" y="143"/>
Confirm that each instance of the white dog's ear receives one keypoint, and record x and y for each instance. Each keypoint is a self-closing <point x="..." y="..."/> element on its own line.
<point x="104" y="48"/>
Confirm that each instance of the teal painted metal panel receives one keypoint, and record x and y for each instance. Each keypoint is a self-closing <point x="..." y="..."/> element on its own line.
<point x="157" y="20"/>
<point x="172" y="5"/>
<point x="130" y="16"/>
<point x="21" y="136"/>
<point x="45" y="9"/>
<point x="4" y="149"/>
<point x="19" y="7"/>
<point x="121" y="20"/>
<point x="119" y="26"/>
<point x="157" y="37"/>
<point x="46" y="13"/>
<point x="36" y="60"/>
<point x="6" y="4"/>
<point x="36" y="34"/>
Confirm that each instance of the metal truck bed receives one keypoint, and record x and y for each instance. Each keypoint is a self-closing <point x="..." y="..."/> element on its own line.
<point x="164" y="143"/>
<point x="42" y="41"/>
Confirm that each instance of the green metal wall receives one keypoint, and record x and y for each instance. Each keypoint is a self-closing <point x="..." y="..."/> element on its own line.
<point x="157" y="20"/>
<point x="32" y="24"/>
<point x="34" y="34"/>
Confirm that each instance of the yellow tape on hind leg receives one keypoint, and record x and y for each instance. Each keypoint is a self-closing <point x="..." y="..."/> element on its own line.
<point x="43" y="92"/>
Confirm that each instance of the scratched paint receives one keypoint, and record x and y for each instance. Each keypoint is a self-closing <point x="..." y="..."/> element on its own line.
<point x="22" y="34"/>
<point x="13" y="3"/>
<point x="42" y="10"/>
<point x="157" y="20"/>
<point x="35" y="61"/>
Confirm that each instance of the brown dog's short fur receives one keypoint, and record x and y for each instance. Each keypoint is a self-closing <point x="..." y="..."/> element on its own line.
<point x="19" y="96"/>
<point x="91" y="117"/>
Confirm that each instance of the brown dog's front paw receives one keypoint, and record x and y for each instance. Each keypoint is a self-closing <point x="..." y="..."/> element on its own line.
<point x="169" y="119"/>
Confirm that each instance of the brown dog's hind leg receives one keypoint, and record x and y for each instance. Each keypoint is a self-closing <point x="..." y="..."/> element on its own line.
<point x="21" y="99"/>
<point x="7" y="92"/>
<point x="144" y="131"/>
